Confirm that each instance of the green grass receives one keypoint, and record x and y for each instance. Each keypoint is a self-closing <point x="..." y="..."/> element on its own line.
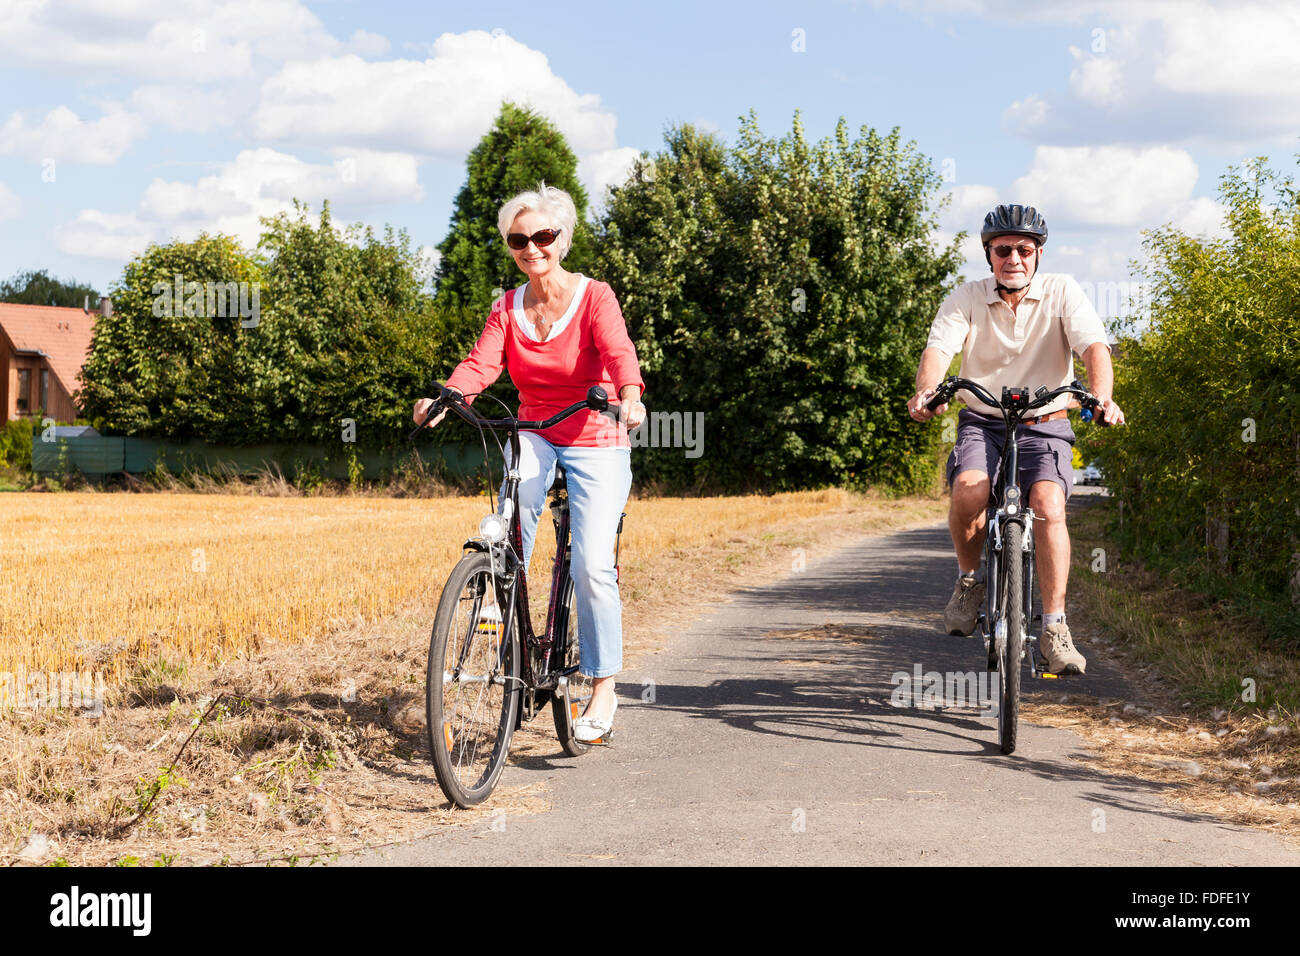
<point x="1216" y="653"/>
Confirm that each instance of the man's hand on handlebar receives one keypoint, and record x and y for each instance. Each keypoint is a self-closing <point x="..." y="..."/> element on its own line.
<point x="916" y="406"/>
<point x="1110" y="412"/>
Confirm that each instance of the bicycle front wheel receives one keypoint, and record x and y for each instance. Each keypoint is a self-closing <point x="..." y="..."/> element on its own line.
<point x="1013" y="607"/>
<point x="473" y="684"/>
<point x="567" y="706"/>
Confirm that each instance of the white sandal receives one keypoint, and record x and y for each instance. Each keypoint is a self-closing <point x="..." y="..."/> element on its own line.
<point x="589" y="730"/>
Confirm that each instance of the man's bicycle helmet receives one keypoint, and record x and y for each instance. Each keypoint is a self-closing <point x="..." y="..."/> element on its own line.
<point x="1013" y="220"/>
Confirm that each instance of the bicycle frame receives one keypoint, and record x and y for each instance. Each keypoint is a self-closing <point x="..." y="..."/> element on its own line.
<point x="541" y="644"/>
<point x="509" y="574"/>
<point x="1005" y="508"/>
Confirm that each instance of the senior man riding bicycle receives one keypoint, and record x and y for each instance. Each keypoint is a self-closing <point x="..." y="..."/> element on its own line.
<point x="1017" y="328"/>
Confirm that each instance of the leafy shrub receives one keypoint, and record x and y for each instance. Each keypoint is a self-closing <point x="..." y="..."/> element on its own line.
<point x="785" y="290"/>
<point x="1208" y="468"/>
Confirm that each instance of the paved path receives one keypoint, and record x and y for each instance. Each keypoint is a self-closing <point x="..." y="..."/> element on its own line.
<point x="762" y="746"/>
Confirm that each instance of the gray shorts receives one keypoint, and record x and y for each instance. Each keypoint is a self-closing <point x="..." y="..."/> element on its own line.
<point x="1046" y="450"/>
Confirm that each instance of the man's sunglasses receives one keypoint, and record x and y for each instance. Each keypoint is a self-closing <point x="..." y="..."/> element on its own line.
<point x="1003" y="252"/>
<point x="543" y="237"/>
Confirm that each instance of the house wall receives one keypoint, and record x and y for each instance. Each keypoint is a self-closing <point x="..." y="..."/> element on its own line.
<point x="60" y="408"/>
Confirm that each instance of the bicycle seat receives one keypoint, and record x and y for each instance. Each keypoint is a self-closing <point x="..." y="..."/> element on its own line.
<point x="561" y="479"/>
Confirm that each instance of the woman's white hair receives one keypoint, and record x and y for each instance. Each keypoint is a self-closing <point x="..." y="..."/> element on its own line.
<point x="549" y="201"/>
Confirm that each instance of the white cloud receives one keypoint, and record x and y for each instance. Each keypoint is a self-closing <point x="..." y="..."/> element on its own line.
<point x="10" y="204"/>
<point x="1027" y="114"/>
<point x="257" y="183"/>
<point x="440" y="106"/>
<point x="1101" y="263"/>
<point x="599" y="171"/>
<point x="365" y="43"/>
<point x="1107" y="185"/>
<point x="199" y="40"/>
<point x="1097" y="81"/>
<point x="188" y="108"/>
<point x="1162" y="68"/>
<point x="967" y="208"/>
<point x="263" y="182"/>
<point x="1201" y="217"/>
<point x="428" y="259"/>
<point x="1246" y="49"/>
<point x="64" y="136"/>
<point x="101" y="235"/>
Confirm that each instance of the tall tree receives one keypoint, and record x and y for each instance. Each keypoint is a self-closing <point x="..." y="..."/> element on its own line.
<point x="521" y="149"/>
<point x="784" y="289"/>
<point x="40" y="288"/>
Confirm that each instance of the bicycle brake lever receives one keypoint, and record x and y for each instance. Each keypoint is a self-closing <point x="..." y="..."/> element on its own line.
<point x="434" y="409"/>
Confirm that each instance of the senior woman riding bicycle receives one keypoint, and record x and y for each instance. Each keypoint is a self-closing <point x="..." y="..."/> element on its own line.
<point x="558" y="334"/>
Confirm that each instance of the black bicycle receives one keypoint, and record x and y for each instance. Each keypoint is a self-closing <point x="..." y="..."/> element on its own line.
<point x="488" y="669"/>
<point x="1009" y="547"/>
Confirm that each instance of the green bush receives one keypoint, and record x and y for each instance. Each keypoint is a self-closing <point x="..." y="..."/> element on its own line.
<point x="1208" y="468"/>
<point x="343" y="341"/>
<point x="16" y="444"/>
<point x="785" y="290"/>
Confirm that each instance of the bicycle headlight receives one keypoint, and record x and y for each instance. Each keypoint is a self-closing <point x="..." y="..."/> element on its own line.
<point x="493" y="528"/>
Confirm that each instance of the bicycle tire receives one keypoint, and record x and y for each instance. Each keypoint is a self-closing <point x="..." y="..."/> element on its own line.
<point x="1013" y="606"/>
<point x="567" y="707"/>
<point x="472" y="684"/>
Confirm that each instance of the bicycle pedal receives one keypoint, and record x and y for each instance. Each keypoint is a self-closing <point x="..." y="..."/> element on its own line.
<point x="599" y="741"/>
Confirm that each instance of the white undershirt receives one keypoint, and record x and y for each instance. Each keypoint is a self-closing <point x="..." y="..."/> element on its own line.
<point x="525" y="324"/>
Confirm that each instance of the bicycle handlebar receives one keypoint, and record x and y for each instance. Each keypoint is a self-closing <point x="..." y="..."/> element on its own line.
<point x="597" y="400"/>
<point x="952" y="385"/>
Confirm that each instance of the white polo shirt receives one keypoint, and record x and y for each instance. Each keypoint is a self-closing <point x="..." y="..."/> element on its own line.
<point x="1029" y="346"/>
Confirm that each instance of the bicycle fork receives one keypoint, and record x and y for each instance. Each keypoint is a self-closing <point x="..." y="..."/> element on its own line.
<point x="1036" y="660"/>
<point x="995" y="640"/>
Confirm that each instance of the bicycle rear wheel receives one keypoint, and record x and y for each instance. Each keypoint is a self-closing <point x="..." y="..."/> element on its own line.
<point x="1013" y="607"/>
<point x="473" y="684"/>
<point x="567" y="705"/>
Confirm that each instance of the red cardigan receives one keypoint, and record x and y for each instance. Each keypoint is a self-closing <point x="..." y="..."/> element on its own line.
<point x="592" y="348"/>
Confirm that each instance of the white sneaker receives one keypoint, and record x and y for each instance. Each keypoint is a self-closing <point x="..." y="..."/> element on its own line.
<point x="589" y="730"/>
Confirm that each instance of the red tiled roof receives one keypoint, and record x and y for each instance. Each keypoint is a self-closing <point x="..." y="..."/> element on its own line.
<point x="62" y="334"/>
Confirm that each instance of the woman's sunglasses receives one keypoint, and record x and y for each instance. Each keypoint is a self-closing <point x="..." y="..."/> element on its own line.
<point x="543" y="237"/>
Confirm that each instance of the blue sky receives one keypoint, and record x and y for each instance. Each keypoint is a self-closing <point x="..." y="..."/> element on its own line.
<point x="128" y="122"/>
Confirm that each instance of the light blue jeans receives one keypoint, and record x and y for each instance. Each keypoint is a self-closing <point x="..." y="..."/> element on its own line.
<point x="599" y="481"/>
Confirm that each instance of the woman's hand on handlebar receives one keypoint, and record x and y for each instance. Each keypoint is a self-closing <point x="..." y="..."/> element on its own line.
<point x="422" y="408"/>
<point x="631" y="412"/>
<point x="916" y="406"/>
